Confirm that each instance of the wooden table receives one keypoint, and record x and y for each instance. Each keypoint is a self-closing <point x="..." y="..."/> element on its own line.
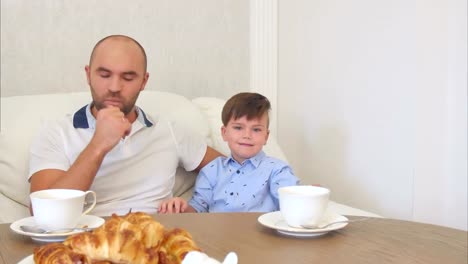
<point x="373" y="241"/>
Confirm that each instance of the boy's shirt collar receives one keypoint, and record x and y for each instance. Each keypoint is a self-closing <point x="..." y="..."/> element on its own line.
<point x="255" y="160"/>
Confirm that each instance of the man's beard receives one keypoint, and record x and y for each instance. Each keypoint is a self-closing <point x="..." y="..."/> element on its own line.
<point x="125" y="108"/>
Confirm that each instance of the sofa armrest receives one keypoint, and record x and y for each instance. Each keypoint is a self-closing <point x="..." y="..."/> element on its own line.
<point x="12" y="210"/>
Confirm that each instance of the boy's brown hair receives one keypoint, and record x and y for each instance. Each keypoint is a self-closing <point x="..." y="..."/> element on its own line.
<point x="252" y="105"/>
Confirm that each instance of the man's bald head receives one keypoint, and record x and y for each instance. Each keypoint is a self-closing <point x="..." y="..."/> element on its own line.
<point x="119" y="38"/>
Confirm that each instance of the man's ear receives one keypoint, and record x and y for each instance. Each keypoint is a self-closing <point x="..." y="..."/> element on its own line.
<point x="88" y="74"/>
<point x="223" y="132"/>
<point x="145" y="80"/>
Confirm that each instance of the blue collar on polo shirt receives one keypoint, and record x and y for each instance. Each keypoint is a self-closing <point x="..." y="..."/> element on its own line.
<point x="255" y="160"/>
<point x="84" y="119"/>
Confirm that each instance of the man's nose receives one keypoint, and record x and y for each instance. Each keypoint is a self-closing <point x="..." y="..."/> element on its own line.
<point x="115" y="85"/>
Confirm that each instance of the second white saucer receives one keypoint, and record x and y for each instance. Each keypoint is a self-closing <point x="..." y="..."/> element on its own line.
<point x="275" y="221"/>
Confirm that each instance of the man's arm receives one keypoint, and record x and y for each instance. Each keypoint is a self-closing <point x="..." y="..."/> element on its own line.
<point x="80" y="175"/>
<point x="111" y="126"/>
<point x="210" y="155"/>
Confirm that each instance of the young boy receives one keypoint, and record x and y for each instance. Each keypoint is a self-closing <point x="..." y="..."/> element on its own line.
<point x="247" y="180"/>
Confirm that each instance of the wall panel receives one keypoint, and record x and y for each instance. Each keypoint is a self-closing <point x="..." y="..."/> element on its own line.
<point x="195" y="48"/>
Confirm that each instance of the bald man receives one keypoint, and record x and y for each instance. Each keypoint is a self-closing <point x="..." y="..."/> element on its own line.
<point x="111" y="146"/>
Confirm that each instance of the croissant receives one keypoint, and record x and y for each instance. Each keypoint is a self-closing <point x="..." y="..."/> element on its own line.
<point x="121" y="241"/>
<point x="176" y="244"/>
<point x="134" y="238"/>
<point x="152" y="232"/>
<point x="57" y="253"/>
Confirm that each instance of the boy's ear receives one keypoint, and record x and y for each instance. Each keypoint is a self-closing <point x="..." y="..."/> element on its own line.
<point x="267" y="136"/>
<point x="223" y="132"/>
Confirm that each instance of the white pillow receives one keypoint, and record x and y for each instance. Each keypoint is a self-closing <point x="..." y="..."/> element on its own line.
<point x="211" y="107"/>
<point x="175" y="107"/>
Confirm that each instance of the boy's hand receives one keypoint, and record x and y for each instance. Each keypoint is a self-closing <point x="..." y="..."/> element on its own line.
<point x="173" y="205"/>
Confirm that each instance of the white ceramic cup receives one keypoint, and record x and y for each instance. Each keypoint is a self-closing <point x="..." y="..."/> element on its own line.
<point x="303" y="204"/>
<point x="60" y="208"/>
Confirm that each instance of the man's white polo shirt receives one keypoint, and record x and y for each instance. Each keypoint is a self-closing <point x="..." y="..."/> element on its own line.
<point x="137" y="173"/>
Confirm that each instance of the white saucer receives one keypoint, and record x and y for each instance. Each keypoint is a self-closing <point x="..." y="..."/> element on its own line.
<point x="275" y="221"/>
<point x="27" y="260"/>
<point x="85" y="221"/>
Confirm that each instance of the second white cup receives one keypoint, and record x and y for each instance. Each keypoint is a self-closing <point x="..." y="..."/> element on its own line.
<point x="303" y="204"/>
<point x="60" y="208"/>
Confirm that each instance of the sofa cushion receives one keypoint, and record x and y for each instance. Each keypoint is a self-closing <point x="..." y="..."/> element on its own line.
<point x="21" y="117"/>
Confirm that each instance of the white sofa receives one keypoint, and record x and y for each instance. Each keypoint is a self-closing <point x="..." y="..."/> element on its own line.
<point x="21" y="117"/>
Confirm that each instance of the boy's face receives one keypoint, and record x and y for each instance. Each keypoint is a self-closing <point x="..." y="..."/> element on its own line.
<point x="246" y="137"/>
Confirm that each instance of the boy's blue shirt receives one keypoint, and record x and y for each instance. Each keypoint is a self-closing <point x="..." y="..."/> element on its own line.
<point x="224" y="185"/>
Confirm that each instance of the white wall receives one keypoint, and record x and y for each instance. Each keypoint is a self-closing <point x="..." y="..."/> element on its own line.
<point x="195" y="48"/>
<point x="372" y="102"/>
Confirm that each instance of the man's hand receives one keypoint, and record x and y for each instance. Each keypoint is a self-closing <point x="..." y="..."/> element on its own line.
<point x="111" y="127"/>
<point x="174" y="205"/>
